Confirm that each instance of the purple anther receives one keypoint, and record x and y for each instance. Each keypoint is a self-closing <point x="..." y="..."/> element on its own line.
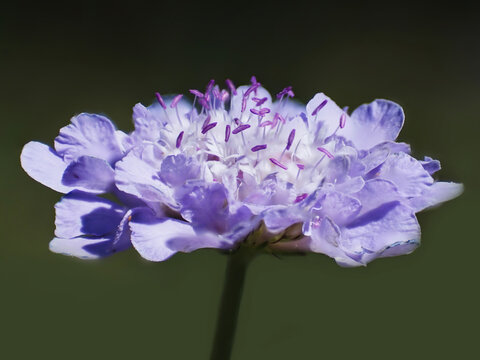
<point x="290" y="93"/>
<point x="208" y="127"/>
<point x="224" y="96"/>
<point x="319" y="107"/>
<point x="343" y="120"/>
<point x="255" y="111"/>
<point x="254" y="86"/>
<point x="237" y="121"/>
<point x="264" y="111"/>
<point x="240" y="128"/>
<point x="244" y="104"/>
<point x="179" y="139"/>
<point x="259" y="101"/>
<point x="275" y="119"/>
<point x="284" y="92"/>
<point x="227" y="133"/>
<point x="217" y="94"/>
<point x="175" y="100"/>
<point x="326" y="152"/>
<point x="231" y="86"/>
<point x="160" y="100"/>
<point x="281" y="118"/>
<point x="300" y="197"/>
<point x="210" y="86"/>
<point x="259" y="147"/>
<point x="301" y="166"/>
<point x="291" y="137"/>
<point x="204" y="103"/>
<point x="207" y="121"/>
<point x="278" y="163"/>
<point x="265" y="123"/>
<point x="253" y="79"/>
<point x="304" y="117"/>
<point x="196" y="93"/>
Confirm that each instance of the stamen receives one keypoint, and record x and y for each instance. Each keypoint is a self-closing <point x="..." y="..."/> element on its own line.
<point x="255" y="86"/>
<point x="304" y="118"/>
<point x="227" y="133"/>
<point x="259" y="147"/>
<point x="207" y="121"/>
<point x="326" y="152"/>
<point x="224" y="96"/>
<point x="265" y="123"/>
<point x="300" y="168"/>
<point x="237" y="121"/>
<point x="261" y="112"/>
<point x="210" y="86"/>
<point x="319" y="107"/>
<point x="217" y="94"/>
<point x="175" y="100"/>
<point x="343" y="120"/>
<point x="231" y="86"/>
<point x="160" y="100"/>
<point x="253" y="79"/>
<point x="203" y="101"/>
<point x="285" y="91"/>
<point x="179" y="139"/>
<point x="259" y="101"/>
<point x="208" y="127"/>
<point x="291" y="137"/>
<point x="196" y="93"/>
<point x="244" y="103"/>
<point x="300" y="198"/>
<point x="240" y="128"/>
<point x="278" y="163"/>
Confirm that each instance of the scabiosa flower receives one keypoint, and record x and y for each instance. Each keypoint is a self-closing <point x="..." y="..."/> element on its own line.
<point x="238" y="167"/>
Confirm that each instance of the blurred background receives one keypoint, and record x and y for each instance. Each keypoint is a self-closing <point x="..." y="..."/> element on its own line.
<point x="60" y="60"/>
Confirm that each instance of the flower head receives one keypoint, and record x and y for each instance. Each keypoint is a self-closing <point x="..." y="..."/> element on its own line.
<point x="237" y="167"/>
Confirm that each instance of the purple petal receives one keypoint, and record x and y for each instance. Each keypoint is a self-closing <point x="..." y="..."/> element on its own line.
<point x="406" y="173"/>
<point x="388" y="226"/>
<point x="80" y="213"/>
<point x="89" y="173"/>
<point x="90" y="135"/>
<point x="278" y="219"/>
<point x="140" y="178"/>
<point x="374" y="123"/>
<point x="379" y="153"/>
<point x="206" y="207"/>
<point x="177" y="169"/>
<point x="83" y="248"/>
<point x="157" y="239"/>
<point x="431" y="165"/>
<point x="377" y="192"/>
<point x="43" y="164"/>
<point x="436" y="194"/>
<point x="337" y="206"/>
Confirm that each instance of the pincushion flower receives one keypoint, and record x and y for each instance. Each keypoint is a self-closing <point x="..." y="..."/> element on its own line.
<point x="239" y="171"/>
<point x="238" y="167"/>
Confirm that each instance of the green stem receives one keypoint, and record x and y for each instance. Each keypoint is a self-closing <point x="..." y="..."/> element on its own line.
<point x="230" y="304"/>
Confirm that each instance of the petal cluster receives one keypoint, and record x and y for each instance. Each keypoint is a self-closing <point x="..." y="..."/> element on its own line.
<point x="238" y="166"/>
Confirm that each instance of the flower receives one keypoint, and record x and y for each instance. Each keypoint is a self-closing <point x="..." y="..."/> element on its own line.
<point x="236" y="167"/>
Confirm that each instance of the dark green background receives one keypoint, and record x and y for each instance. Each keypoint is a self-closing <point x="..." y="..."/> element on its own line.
<point x="57" y="61"/>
